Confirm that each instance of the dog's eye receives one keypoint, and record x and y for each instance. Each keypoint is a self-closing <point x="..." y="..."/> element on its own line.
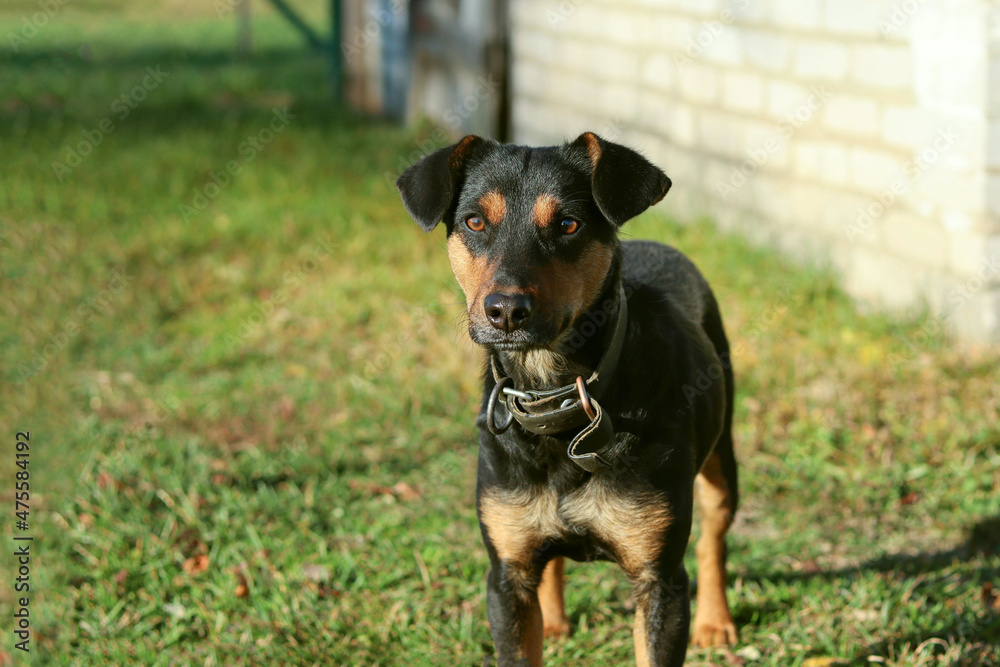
<point x="569" y="226"/>
<point x="475" y="223"/>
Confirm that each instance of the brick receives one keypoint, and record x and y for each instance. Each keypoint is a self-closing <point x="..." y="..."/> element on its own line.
<point x="708" y="8"/>
<point x="726" y="47"/>
<point x="677" y="33"/>
<point x="658" y="72"/>
<point x="915" y="238"/>
<point x="969" y="253"/>
<point x="784" y="97"/>
<point x="680" y="124"/>
<point x="654" y="108"/>
<point x="853" y="17"/>
<point x="532" y="79"/>
<point x="850" y="115"/>
<point x="993" y="86"/>
<point x="805" y="205"/>
<point x="622" y="27"/>
<point x="699" y="83"/>
<point x="752" y="12"/>
<point x="993" y="194"/>
<point x="843" y="217"/>
<point x="766" y="143"/>
<point x="769" y="51"/>
<point x="769" y="197"/>
<point x="991" y="256"/>
<point x="993" y="145"/>
<point x="820" y="60"/>
<point x="798" y="14"/>
<point x="808" y="160"/>
<point x="578" y="19"/>
<point x="877" y="171"/>
<point x="607" y="62"/>
<point x="907" y="127"/>
<point x="722" y="134"/>
<point x="708" y="40"/>
<point x="743" y="92"/>
<point x="881" y="279"/>
<point x="823" y="161"/>
<point x="614" y="100"/>
<point x="947" y="190"/>
<point x="883" y="67"/>
<point x="723" y="183"/>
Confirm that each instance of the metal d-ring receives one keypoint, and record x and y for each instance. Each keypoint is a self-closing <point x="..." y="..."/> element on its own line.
<point x="581" y="387"/>
<point x="492" y="405"/>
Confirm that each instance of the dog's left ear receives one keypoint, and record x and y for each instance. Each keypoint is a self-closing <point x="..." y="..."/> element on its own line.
<point x="429" y="186"/>
<point x="624" y="183"/>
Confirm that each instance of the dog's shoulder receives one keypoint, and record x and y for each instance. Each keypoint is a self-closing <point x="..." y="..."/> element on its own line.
<point x="668" y="271"/>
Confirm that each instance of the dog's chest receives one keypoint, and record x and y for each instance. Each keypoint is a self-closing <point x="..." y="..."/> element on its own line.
<point x="631" y="525"/>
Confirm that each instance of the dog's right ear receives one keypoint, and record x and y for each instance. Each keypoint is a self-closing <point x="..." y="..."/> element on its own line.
<point x="429" y="186"/>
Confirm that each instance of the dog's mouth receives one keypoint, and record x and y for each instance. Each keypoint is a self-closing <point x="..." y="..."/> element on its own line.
<point x="538" y="337"/>
<point x="510" y="347"/>
<point x="504" y="342"/>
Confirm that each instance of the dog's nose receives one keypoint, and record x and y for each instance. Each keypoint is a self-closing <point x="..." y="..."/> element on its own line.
<point x="508" y="312"/>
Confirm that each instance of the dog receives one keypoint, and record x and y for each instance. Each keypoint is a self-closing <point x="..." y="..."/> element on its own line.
<point x="608" y="389"/>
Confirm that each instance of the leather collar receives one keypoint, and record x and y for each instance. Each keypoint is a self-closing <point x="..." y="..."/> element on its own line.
<point x="555" y="411"/>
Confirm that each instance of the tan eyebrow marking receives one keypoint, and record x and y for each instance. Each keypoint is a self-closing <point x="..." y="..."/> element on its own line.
<point x="545" y="209"/>
<point x="494" y="206"/>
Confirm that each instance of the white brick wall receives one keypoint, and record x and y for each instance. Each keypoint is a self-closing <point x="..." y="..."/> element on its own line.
<point x="814" y="126"/>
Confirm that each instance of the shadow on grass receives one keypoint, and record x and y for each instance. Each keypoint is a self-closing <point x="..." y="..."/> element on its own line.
<point x="983" y="539"/>
<point x="929" y="577"/>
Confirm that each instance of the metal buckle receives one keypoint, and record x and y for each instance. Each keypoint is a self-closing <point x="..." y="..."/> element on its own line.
<point x="585" y="398"/>
<point x="523" y="395"/>
<point x="491" y="408"/>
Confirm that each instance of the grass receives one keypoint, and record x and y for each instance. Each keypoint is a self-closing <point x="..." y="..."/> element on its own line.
<point x="255" y="445"/>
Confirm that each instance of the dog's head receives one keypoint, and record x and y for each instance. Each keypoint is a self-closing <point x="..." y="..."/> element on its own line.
<point x="531" y="231"/>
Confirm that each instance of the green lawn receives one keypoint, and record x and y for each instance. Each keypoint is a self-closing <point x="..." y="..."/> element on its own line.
<point x="252" y="424"/>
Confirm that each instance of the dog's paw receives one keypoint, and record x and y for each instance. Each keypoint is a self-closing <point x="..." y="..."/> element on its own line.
<point x="556" y="629"/>
<point x="706" y="634"/>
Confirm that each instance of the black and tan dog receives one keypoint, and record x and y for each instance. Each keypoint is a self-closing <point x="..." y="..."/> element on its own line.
<point x="608" y="398"/>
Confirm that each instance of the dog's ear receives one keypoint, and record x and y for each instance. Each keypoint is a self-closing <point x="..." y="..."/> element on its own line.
<point x="624" y="183"/>
<point x="429" y="186"/>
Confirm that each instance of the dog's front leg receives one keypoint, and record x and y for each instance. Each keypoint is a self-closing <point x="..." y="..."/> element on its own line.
<point x="662" y="618"/>
<point x="515" y="615"/>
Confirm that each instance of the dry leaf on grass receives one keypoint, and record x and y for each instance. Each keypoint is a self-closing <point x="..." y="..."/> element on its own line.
<point x="400" y="490"/>
<point x="242" y="589"/>
<point x="195" y="564"/>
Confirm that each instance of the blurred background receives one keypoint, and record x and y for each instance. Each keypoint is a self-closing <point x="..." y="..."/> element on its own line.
<point x="244" y="370"/>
